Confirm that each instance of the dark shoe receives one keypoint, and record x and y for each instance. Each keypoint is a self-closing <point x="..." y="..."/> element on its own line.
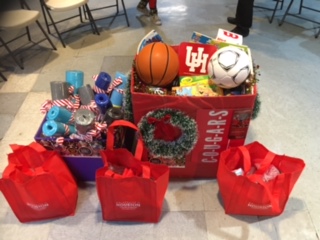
<point x="232" y="20"/>
<point x="241" y="30"/>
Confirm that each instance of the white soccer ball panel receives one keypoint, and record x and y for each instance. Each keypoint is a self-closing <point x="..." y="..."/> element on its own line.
<point x="228" y="59"/>
<point x="243" y="73"/>
<point x="229" y="67"/>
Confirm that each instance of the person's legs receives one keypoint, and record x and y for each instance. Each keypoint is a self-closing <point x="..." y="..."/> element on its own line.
<point x="243" y="18"/>
<point x="154" y="12"/>
<point x="244" y="13"/>
<point x="142" y="7"/>
<point x="153" y="4"/>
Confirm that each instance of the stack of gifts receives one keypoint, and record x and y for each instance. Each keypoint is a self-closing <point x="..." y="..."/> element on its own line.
<point x="191" y="106"/>
<point x="193" y="100"/>
<point x="77" y="116"/>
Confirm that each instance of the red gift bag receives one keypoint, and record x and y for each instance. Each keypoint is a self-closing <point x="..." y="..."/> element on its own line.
<point x="130" y="189"/>
<point x="254" y="181"/>
<point x="37" y="184"/>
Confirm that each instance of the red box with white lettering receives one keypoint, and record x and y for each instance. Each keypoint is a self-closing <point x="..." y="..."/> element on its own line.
<point x="220" y="122"/>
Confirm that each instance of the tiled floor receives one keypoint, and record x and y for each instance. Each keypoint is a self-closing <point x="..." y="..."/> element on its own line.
<point x="288" y="123"/>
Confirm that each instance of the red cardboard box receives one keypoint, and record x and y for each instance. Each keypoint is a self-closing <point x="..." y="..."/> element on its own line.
<point x="222" y="122"/>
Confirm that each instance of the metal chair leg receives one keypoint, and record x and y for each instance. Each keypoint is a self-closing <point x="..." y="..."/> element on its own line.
<point x="268" y="8"/>
<point x="84" y="13"/>
<point x="28" y="33"/>
<point x="11" y="53"/>
<point x="92" y="21"/>
<point x="125" y="13"/>
<point x="3" y="77"/>
<point x="285" y="14"/>
<point x="55" y="27"/>
<point x="46" y="35"/>
<point x="80" y="15"/>
<point x="275" y="9"/>
<point x="43" y="8"/>
<point x="317" y="34"/>
<point x="86" y="16"/>
<point x="300" y="7"/>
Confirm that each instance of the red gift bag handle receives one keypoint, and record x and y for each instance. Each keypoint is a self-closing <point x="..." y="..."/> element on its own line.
<point x="146" y="173"/>
<point x="273" y="196"/>
<point x="36" y="146"/>
<point x="247" y="163"/>
<point x="124" y="123"/>
<point x="29" y="156"/>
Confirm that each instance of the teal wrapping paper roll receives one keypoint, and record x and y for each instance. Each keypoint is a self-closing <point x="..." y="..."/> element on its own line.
<point x="59" y="114"/>
<point x="118" y="92"/>
<point x="75" y="78"/>
<point x="52" y="128"/>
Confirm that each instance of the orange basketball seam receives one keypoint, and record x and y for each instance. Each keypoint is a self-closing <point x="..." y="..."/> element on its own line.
<point x="150" y="67"/>
<point x="167" y="64"/>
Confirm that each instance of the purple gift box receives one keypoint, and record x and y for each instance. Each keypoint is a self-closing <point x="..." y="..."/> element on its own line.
<point x="82" y="157"/>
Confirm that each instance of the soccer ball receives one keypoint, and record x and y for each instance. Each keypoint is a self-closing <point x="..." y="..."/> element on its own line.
<point x="229" y="67"/>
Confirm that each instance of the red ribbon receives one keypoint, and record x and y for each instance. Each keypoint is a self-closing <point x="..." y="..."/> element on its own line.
<point x="92" y="106"/>
<point x="70" y="103"/>
<point x="164" y="130"/>
<point x="60" y="141"/>
<point x="115" y="83"/>
<point x="71" y="90"/>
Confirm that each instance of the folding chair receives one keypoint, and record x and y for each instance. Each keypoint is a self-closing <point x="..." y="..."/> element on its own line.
<point x="117" y="13"/>
<point x="49" y="6"/>
<point x="272" y="9"/>
<point x="13" y="20"/>
<point x="300" y="16"/>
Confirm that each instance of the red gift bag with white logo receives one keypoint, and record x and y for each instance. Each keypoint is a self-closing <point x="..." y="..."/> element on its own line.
<point x="128" y="188"/>
<point x="255" y="181"/>
<point x="37" y="184"/>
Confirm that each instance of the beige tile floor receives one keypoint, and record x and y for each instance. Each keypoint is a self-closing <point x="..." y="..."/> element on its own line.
<point x="288" y="123"/>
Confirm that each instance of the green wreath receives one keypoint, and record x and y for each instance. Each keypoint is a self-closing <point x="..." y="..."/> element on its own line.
<point x="169" y="149"/>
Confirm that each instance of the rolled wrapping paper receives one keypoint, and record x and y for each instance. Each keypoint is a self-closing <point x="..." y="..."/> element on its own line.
<point x="112" y="114"/>
<point x="59" y="114"/>
<point x="75" y="78"/>
<point x="84" y="120"/>
<point x="59" y="90"/>
<point x="103" y="102"/>
<point x="102" y="82"/>
<point x="52" y="128"/>
<point x="118" y="92"/>
<point x="86" y="94"/>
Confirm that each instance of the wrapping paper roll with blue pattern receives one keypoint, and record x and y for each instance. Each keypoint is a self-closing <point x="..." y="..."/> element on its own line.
<point x="119" y="89"/>
<point x="75" y="78"/>
<point x="52" y="128"/>
<point x="59" y="114"/>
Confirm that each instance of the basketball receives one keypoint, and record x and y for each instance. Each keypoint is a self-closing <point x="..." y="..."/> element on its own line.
<point x="157" y="64"/>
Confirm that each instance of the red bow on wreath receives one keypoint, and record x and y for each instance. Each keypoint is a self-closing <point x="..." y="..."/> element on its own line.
<point x="164" y="130"/>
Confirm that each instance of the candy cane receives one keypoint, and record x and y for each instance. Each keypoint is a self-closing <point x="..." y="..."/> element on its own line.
<point x="46" y="106"/>
<point x="116" y="82"/>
